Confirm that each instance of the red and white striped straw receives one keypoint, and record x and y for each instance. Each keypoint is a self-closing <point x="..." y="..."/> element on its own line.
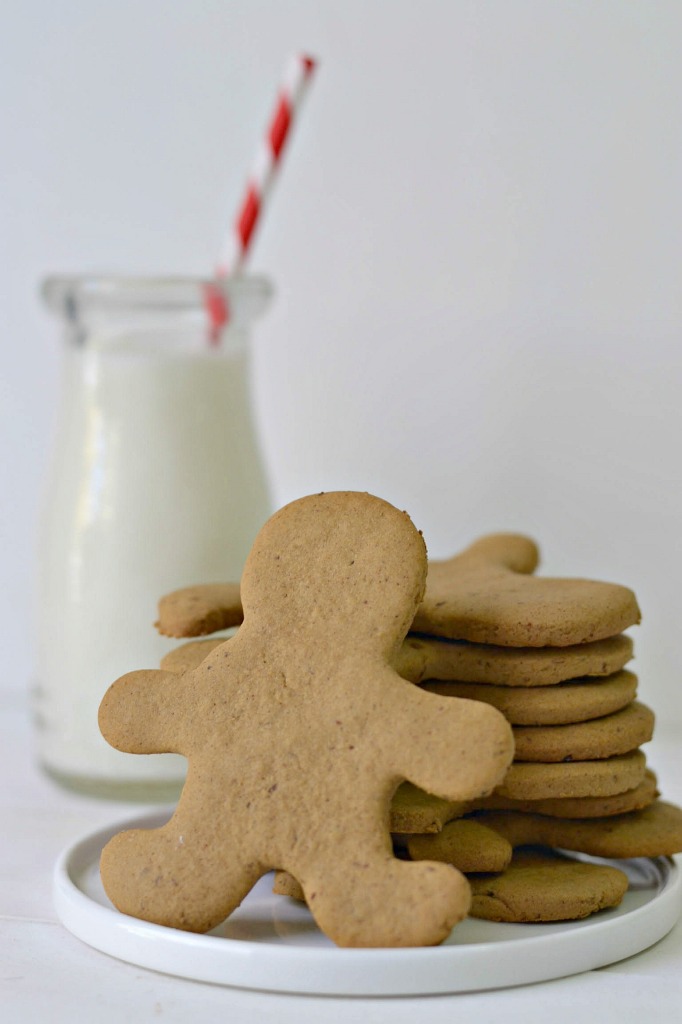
<point x="297" y="75"/>
<point x="296" y="78"/>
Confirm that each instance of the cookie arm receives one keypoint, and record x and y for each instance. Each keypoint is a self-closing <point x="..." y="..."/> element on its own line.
<point x="196" y="611"/>
<point x="511" y="551"/>
<point x="190" y="655"/>
<point x="137" y="712"/>
<point x="455" y="748"/>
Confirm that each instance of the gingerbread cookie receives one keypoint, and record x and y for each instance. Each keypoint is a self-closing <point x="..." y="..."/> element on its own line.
<point x="538" y="781"/>
<point x="486" y="595"/>
<point x="467" y="843"/>
<point x="195" y="611"/>
<point x="577" y="807"/>
<point x="432" y="659"/>
<point x="542" y="885"/>
<point x="427" y="657"/>
<point x="523" y="886"/>
<point x="284" y="884"/>
<point x="189" y="656"/>
<point x="414" y="811"/>
<point x="292" y="765"/>
<point x="563" y="704"/>
<point x="485" y="841"/>
<point x="654" y="832"/>
<point x="618" y="733"/>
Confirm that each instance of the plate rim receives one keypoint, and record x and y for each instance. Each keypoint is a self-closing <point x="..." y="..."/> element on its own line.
<point x="267" y="966"/>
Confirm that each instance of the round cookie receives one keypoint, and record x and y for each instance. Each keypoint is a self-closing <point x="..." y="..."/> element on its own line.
<point x="427" y="657"/>
<point x="565" y="703"/>
<point x="486" y="595"/>
<point x="528" y="780"/>
<point x="544" y="886"/>
<point x="618" y="733"/>
<point x="579" y="807"/>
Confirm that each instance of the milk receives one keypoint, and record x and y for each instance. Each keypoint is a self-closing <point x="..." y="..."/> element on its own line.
<point x="157" y="484"/>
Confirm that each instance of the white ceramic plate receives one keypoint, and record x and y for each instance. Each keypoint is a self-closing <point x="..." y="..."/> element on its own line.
<point x="271" y="943"/>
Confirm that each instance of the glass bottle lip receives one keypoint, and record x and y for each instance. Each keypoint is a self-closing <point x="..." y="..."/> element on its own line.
<point x="76" y="297"/>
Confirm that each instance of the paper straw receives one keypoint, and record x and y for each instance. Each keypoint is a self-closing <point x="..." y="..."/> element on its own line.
<point x="297" y="75"/>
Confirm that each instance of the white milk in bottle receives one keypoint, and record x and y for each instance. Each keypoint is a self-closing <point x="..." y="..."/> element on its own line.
<point x="157" y="483"/>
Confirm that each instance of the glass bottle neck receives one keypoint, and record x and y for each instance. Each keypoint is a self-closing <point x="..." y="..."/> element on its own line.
<point x="156" y="315"/>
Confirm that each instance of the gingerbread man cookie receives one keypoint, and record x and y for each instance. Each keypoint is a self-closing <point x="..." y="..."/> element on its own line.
<point x="487" y="595"/>
<point x="298" y="732"/>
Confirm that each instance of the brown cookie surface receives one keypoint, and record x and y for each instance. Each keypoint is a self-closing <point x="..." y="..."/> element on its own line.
<point x="533" y="886"/>
<point x="284" y="884"/>
<point x="633" y="799"/>
<point x="437" y="658"/>
<point x="526" y="780"/>
<point x="414" y="811"/>
<point x="562" y="704"/>
<point x="544" y="886"/>
<point x="467" y="844"/>
<point x="617" y="733"/>
<point x="431" y="659"/>
<point x="292" y="765"/>
<point x="655" y="831"/>
<point x="195" y="611"/>
<point x="189" y="656"/>
<point x="486" y="595"/>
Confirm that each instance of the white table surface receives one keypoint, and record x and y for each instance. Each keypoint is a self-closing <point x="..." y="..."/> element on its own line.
<point x="47" y="975"/>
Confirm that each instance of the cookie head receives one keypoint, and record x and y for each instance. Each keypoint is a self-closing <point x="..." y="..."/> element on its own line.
<point x="298" y="730"/>
<point x="324" y="560"/>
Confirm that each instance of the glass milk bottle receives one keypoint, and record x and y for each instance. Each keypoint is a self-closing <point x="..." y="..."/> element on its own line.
<point x="157" y="483"/>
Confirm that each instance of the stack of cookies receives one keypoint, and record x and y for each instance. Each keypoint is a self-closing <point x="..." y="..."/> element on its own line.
<point x="551" y="655"/>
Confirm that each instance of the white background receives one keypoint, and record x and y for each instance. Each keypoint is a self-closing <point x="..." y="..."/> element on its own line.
<point x="475" y="243"/>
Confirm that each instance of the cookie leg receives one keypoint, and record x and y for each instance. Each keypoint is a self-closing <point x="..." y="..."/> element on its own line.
<point x="164" y="877"/>
<point x="386" y="902"/>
